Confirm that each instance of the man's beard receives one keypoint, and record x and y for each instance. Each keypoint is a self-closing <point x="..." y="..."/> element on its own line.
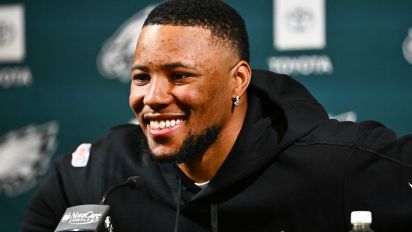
<point x="194" y="145"/>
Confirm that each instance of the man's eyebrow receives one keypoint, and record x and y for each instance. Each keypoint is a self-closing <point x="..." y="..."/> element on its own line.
<point x="167" y="66"/>
<point x="140" y="67"/>
<point x="177" y="65"/>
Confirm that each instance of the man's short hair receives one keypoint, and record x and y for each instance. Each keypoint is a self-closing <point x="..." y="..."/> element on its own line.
<point x="223" y="21"/>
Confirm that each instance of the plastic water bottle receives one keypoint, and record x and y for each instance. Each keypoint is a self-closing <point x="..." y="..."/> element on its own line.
<point x="361" y="221"/>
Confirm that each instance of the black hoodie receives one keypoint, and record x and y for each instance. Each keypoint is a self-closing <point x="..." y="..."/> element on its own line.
<point x="291" y="169"/>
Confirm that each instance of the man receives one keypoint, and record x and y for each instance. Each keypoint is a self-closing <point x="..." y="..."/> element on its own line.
<point x="220" y="150"/>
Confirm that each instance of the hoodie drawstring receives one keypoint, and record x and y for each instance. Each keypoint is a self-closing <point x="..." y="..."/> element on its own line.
<point x="179" y="195"/>
<point x="213" y="217"/>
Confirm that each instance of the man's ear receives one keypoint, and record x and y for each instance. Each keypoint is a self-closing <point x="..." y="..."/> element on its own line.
<point x="241" y="74"/>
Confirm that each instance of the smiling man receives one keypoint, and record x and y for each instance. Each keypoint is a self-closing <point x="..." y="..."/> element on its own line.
<point x="223" y="148"/>
<point x="185" y="80"/>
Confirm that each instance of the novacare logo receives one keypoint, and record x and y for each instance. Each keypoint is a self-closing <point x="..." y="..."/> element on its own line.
<point x="77" y="218"/>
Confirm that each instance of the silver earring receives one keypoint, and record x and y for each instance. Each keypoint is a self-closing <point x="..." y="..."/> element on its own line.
<point x="236" y="101"/>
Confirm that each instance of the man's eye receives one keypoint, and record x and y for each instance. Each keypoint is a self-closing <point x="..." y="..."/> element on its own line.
<point x="141" y="79"/>
<point x="178" y="76"/>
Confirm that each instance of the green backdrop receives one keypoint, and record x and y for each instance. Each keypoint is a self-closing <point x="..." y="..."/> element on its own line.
<point x="71" y="84"/>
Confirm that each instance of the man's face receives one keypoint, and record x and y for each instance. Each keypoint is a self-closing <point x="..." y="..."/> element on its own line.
<point x="182" y="85"/>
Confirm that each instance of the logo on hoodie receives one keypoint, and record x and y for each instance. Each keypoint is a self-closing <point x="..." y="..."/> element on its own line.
<point x="24" y="154"/>
<point x="114" y="60"/>
<point x="80" y="156"/>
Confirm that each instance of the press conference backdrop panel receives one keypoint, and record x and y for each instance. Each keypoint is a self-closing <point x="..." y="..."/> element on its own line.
<point x="64" y="76"/>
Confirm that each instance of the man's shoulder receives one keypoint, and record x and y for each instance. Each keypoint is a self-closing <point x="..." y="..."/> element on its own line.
<point x="121" y="145"/>
<point x="124" y="131"/>
<point x="98" y="165"/>
<point x="367" y="133"/>
<point x="369" y="137"/>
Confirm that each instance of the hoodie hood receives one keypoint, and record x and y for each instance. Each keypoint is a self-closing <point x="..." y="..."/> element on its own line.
<point x="280" y="94"/>
<point x="280" y="111"/>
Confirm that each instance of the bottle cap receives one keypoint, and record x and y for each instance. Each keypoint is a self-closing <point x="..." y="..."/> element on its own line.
<point x="361" y="217"/>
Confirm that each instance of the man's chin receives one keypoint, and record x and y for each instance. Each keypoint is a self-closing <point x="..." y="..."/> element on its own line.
<point x="166" y="158"/>
<point x="192" y="146"/>
<point x="162" y="153"/>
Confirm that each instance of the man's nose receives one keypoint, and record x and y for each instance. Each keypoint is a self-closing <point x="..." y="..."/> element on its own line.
<point x="158" y="93"/>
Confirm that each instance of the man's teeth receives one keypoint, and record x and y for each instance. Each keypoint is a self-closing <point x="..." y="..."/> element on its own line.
<point x="165" y="123"/>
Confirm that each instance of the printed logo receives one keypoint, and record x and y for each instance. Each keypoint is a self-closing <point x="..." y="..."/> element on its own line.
<point x="301" y="65"/>
<point x="407" y="46"/>
<point x="66" y="217"/>
<point x="108" y="224"/>
<point x="80" y="156"/>
<point x="77" y="218"/>
<point x="114" y="60"/>
<point x="15" y="76"/>
<point x="24" y="154"/>
<point x="346" y="116"/>
<point x="300" y="20"/>
<point x="299" y="24"/>
<point x="12" y="38"/>
<point x="7" y="33"/>
<point x="12" y="47"/>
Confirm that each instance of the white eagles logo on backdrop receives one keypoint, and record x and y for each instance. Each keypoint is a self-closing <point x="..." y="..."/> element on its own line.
<point x="114" y="60"/>
<point x="407" y="46"/>
<point x="24" y="154"/>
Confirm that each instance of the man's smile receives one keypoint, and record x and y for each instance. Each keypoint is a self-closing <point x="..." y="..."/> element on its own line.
<point x="165" y="131"/>
<point x="160" y="125"/>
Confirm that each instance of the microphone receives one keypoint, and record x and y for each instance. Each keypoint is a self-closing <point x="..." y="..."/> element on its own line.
<point x="134" y="182"/>
<point x="90" y="217"/>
